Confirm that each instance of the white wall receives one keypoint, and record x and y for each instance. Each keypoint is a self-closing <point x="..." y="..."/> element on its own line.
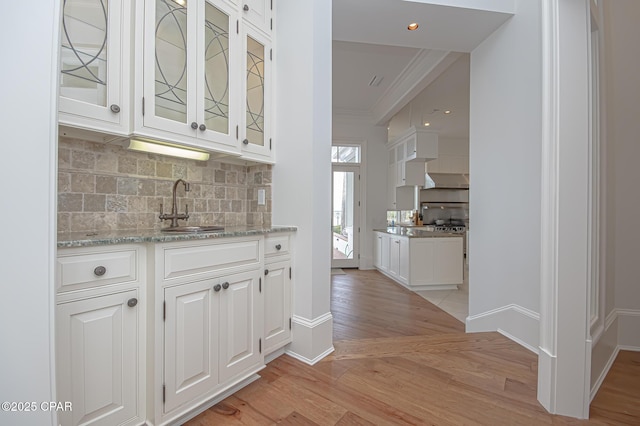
<point x="29" y="33"/>
<point x="302" y="174"/>
<point x="622" y="90"/>
<point x="505" y="162"/>
<point x="623" y="127"/>
<point x="373" y="183"/>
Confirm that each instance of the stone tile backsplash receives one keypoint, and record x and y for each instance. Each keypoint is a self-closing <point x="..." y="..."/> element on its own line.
<point x="107" y="187"/>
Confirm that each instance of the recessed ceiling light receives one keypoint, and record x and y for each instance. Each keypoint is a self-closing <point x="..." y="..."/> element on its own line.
<point x="447" y="112"/>
<point x="413" y="26"/>
<point x="427" y="124"/>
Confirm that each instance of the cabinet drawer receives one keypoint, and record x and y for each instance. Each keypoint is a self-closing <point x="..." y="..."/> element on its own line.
<point x="202" y="258"/>
<point x="276" y="245"/>
<point x="83" y="270"/>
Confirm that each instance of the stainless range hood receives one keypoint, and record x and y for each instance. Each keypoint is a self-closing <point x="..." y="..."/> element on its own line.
<point x="446" y="181"/>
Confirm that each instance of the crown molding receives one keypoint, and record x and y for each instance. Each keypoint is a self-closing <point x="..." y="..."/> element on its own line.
<point x="421" y="71"/>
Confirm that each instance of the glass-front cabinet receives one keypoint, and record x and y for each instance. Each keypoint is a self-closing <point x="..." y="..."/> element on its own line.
<point x="94" y="65"/>
<point x="191" y="64"/>
<point x="255" y="128"/>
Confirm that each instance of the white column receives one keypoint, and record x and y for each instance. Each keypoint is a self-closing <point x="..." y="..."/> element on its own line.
<point x="565" y="345"/>
<point x="302" y="174"/>
<point x="30" y="35"/>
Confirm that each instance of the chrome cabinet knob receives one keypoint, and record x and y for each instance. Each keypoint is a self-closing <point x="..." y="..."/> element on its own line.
<point x="132" y="302"/>
<point x="246" y="141"/>
<point x="194" y="125"/>
<point x="99" y="271"/>
<point x="278" y="246"/>
<point x="245" y="8"/>
<point x="203" y="127"/>
<point x="266" y="272"/>
<point x="225" y="285"/>
<point x="114" y="108"/>
<point x="217" y="287"/>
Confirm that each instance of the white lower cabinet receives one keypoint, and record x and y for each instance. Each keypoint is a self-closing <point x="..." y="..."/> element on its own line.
<point x="420" y="263"/>
<point x="213" y="313"/>
<point x="100" y="340"/>
<point x="211" y="335"/>
<point x="190" y="342"/>
<point x="277" y="302"/>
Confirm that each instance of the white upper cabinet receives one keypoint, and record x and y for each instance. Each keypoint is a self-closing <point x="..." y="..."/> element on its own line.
<point x="190" y="90"/>
<point x="255" y="131"/>
<point x="258" y="13"/>
<point x="94" y="78"/>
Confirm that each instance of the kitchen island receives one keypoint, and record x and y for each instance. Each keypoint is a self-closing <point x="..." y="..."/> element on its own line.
<point x="419" y="258"/>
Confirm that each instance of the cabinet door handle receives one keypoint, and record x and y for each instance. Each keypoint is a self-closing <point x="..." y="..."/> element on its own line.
<point x="217" y="287"/>
<point x="194" y="125"/>
<point x="132" y="302"/>
<point x="278" y="246"/>
<point x="245" y="8"/>
<point x="266" y="272"/>
<point x="100" y="271"/>
<point x="203" y="127"/>
<point x="114" y="108"/>
<point x="225" y="285"/>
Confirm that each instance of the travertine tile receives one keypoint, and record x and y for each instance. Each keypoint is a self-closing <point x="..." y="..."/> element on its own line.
<point x="127" y="186"/>
<point x="107" y="162"/>
<point x="64" y="222"/>
<point x="179" y="171"/>
<point x="64" y="158"/>
<point x="94" y="202"/>
<point x="127" y="164"/>
<point x="64" y="182"/>
<point x="83" y="182"/>
<point x="82" y="222"/>
<point x="220" y="176"/>
<point x="68" y="202"/>
<point x="116" y="203"/>
<point x="146" y="187"/>
<point x="146" y="167"/>
<point x="106" y="184"/>
<point x="83" y="160"/>
<point x="164" y="170"/>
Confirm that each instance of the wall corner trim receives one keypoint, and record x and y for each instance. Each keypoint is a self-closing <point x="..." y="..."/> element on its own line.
<point x="513" y="321"/>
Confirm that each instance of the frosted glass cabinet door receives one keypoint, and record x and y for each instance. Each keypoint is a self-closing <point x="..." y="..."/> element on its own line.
<point x="170" y="69"/>
<point x="191" y="51"/>
<point x="94" y="46"/>
<point x="257" y="90"/>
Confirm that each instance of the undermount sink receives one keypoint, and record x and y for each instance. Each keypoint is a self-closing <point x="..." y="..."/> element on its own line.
<point x="194" y="229"/>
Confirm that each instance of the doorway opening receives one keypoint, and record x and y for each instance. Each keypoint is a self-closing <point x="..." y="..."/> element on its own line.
<point x="345" y="206"/>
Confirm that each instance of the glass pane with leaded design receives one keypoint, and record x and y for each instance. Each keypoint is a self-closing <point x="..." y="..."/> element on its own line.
<point x="171" y="60"/>
<point x="216" y="73"/>
<point x="83" y="52"/>
<point x="255" y="92"/>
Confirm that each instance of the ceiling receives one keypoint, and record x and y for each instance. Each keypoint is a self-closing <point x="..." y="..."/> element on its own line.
<point x="371" y="40"/>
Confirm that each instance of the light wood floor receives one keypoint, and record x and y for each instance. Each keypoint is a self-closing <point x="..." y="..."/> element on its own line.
<point x="400" y="360"/>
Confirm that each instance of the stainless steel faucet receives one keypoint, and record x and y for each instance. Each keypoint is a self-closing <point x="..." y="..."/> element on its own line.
<point x="174" y="216"/>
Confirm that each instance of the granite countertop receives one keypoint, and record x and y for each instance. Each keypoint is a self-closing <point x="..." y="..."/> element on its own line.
<point x="85" y="239"/>
<point x="417" y="232"/>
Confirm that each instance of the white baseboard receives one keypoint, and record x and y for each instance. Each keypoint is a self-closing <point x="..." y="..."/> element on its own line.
<point x="273" y="355"/>
<point x="513" y="321"/>
<point x="312" y="339"/>
<point x="627" y="324"/>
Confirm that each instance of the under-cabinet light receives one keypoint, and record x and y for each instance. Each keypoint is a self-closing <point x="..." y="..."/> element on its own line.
<point x="165" y="149"/>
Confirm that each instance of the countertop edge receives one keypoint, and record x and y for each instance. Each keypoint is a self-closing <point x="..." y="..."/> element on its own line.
<point x="70" y="240"/>
<point x="421" y="234"/>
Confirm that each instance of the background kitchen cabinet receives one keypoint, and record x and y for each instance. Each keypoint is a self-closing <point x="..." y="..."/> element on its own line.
<point x="430" y="263"/>
<point x="399" y="197"/>
<point x="258" y="13"/>
<point x="95" y="66"/>
<point x="100" y="338"/>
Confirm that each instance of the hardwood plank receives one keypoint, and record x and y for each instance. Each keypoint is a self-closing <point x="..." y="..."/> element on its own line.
<point x="400" y="360"/>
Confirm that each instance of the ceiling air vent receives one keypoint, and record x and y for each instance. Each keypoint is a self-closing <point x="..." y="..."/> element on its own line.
<point x="375" y="81"/>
